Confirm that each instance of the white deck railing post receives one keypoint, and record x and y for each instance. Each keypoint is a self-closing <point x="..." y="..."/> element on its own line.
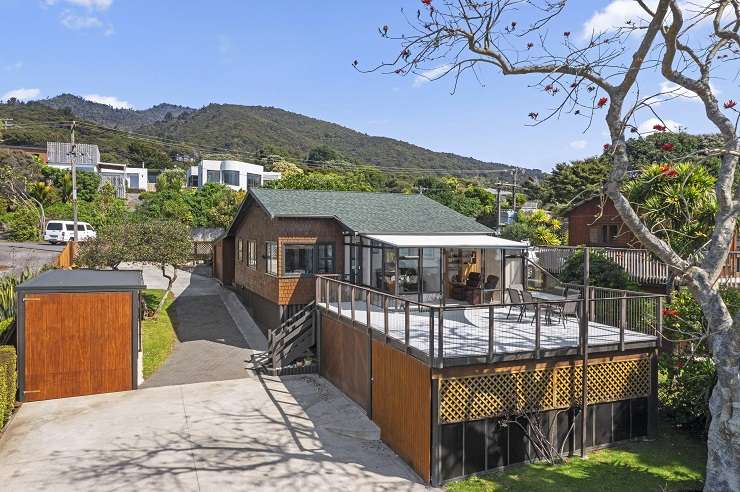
<point x="407" y="324"/>
<point x="491" y="345"/>
<point x="537" y="331"/>
<point x="352" y="302"/>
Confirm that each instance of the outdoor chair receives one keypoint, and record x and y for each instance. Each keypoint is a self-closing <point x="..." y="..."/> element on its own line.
<point x="528" y="297"/>
<point x="515" y="299"/>
<point x="472" y="288"/>
<point x="490" y="286"/>
<point x="567" y="309"/>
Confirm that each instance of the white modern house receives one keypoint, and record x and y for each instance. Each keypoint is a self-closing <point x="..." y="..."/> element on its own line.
<point x="237" y="175"/>
<point x="87" y="159"/>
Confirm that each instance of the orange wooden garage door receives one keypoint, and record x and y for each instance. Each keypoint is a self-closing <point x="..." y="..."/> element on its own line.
<point x="77" y="344"/>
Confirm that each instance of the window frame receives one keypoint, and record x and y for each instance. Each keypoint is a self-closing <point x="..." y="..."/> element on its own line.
<point x="311" y="264"/>
<point x="240" y="250"/>
<point x="271" y="247"/>
<point x="252" y="254"/>
<point x="318" y="258"/>
<point x="231" y="173"/>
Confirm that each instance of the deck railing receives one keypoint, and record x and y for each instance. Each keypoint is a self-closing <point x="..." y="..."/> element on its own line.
<point x="470" y="334"/>
<point x="641" y="266"/>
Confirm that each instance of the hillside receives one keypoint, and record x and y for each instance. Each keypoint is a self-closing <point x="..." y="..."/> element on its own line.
<point x="219" y="130"/>
<point x="129" y="119"/>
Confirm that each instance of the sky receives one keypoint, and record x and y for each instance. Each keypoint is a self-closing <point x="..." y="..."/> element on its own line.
<point x="297" y="55"/>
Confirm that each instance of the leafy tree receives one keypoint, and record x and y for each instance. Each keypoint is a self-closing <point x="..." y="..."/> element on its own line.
<point x="571" y="182"/>
<point x="171" y="179"/>
<point x="150" y="155"/>
<point x="87" y="183"/>
<point x="677" y="202"/>
<point x="466" y="198"/>
<point x="323" y="153"/>
<point x="285" y="168"/>
<point x="17" y="172"/>
<point x="23" y="224"/>
<point x="685" y="147"/>
<point x="537" y="227"/>
<point x="156" y="242"/>
<point x="44" y="192"/>
<point x="323" y="181"/>
<point x="166" y="205"/>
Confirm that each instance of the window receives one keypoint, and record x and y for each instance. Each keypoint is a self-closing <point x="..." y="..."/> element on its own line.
<point x="408" y="270"/>
<point x="325" y="257"/>
<point x="271" y="257"/>
<point x="252" y="253"/>
<point x="239" y="250"/>
<point x="254" y="181"/>
<point x="298" y="259"/>
<point x="213" y="177"/>
<point x="193" y="181"/>
<point x="53" y="226"/>
<point x="613" y="232"/>
<point x="431" y="270"/>
<point x="609" y="233"/>
<point x="231" y="178"/>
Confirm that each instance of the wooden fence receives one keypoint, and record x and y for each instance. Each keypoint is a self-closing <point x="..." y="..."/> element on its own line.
<point x="640" y="265"/>
<point x="66" y="257"/>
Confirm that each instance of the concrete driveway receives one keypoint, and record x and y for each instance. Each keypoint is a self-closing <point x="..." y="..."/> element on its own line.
<point x="17" y="257"/>
<point x="295" y="433"/>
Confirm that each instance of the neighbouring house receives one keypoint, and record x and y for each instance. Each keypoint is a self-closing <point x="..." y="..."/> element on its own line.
<point x="39" y="152"/>
<point x="236" y="175"/>
<point x="121" y="176"/>
<point x="408" y="245"/>
<point x="595" y="222"/>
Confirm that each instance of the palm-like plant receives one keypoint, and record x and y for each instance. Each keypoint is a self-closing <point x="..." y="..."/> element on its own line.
<point x="677" y="202"/>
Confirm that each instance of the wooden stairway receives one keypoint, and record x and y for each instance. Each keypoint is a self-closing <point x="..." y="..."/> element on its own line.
<point x="293" y="340"/>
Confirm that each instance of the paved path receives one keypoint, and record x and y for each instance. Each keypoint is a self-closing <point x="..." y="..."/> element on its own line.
<point x="17" y="257"/>
<point x="256" y="434"/>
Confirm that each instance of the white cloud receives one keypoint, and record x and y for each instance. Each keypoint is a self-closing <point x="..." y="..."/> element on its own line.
<point x="578" y="144"/>
<point x="77" y="22"/>
<point x="109" y="100"/>
<point x="22" y="94"/>
<point x="613" y="16"/>
<point x="89" y="4"/>
<point x="646" y="126"/>
<point x="671" y="90"/>
<point x="429" y="75"/>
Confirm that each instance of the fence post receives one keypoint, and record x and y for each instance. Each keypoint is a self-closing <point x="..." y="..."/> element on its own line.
<point x="407" y="323"/>
<point x="385" y="317"/>
<point x="440" y="344"/>
<point x="339" y="299"/>
<point x="318" y="290"/>
<point x="326" y="292"/>
<point x="491" y="345"/>
<point x="537" y="331"/>
<point x="622" y="319"/>
<point x="352" y="302"/>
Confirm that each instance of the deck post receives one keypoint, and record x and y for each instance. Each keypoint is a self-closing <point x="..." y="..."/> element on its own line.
<point x="537" y="331"/>
<point x="326" y="293"/>
<point x="431" y="337"/>
<point x="491" y="345"/>
<point x="352" y="303"/>
<point x="659" y="321"/>
<point x="318" y="290"/>
<point x="339" y="299"/>
<point x="407" y="323"/>
<point x="367" y="306"/>
<point x="584" y="348"/>
<point x="385" y="317"/>
<point x="440" y="344"/>
<point x="622" y="319"/>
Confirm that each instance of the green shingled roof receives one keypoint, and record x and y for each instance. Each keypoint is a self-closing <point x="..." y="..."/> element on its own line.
<point x="379" y="213"/>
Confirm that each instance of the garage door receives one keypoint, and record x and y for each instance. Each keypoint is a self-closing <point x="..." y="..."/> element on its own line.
<point x="77" y="344"/>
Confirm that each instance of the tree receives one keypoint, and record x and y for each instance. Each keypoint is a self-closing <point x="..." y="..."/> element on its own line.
<point x="323" y="153"/>
<point x="323" y="181"/>
<point x="171" y="179"/>
<point x="537" y="227"/>
<point x="156" y="242"/>
<point x="599" y="77"/>
<point x="571" y="182"/>
<point x="17" y="172"/>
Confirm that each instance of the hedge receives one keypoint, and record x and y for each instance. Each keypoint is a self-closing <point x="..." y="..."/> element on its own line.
<point x="8" y="382"/>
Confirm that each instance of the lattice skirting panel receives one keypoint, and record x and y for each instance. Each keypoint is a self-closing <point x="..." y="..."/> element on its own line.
<point x="511" y="393"/>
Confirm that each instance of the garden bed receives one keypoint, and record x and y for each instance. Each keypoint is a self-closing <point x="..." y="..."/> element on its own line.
<point x="157" y="335"/>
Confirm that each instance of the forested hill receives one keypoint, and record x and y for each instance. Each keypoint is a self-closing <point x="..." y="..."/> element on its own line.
<point x="241" y="131"/>
<point x="129" y="119"/>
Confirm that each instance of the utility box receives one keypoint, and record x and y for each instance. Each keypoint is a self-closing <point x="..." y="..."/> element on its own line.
<point x="78" y="333"/>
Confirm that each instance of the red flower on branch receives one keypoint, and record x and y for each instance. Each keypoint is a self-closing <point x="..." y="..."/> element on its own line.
<point x="607" y="146"/>
<point x="669" y="312"/>
<point x="602" y="102"/>
<point x="666" y="147"/>
<point x="549" y="88"/>
<point x="426" y="2"/>
<point x="566" y="34"/>
<point x="530" y="45"/>
<point x="659" y="128"/>
<point x="729" y="104"/>
<point x="680" y="364"/>
<point x="669" y="172"/>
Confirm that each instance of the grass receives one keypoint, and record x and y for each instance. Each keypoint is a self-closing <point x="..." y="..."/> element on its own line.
<point x="157" y="335"/>
<point x="675" y="461"/>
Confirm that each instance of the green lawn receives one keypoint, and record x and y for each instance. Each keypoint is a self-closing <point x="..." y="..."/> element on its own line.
<point x="157" y="336"/>
<point x="674" y="461"/>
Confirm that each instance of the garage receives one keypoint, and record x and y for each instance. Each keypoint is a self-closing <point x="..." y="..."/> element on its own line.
<point x="78" y="333"/>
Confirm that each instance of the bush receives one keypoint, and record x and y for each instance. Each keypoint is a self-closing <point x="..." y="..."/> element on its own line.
<point x="24" y="224"/>
<point x="684" y="388"/>
<point x="603" y="271"/>
<point x="8" y="382"/>
<point x="5" y="324"/>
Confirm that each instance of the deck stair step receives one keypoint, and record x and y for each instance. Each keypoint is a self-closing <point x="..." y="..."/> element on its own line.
<point x="293" y="340"/>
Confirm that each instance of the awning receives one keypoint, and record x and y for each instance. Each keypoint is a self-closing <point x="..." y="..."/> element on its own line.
<point x="445" y="241"/>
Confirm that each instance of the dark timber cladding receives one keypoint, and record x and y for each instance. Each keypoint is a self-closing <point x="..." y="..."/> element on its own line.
<point x="344" y="360"/>
<point x="78" y="333"/>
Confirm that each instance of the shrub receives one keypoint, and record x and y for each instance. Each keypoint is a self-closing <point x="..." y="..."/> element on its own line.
<point x="684" y="388"/>
<point x="8" y="382"/>
<point x="603" y="271"/>
<point x="24" y="224"/>
<point x="5" y="324"/>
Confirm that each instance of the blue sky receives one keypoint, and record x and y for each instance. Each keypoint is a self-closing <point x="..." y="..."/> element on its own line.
<point x="295" y="55"/>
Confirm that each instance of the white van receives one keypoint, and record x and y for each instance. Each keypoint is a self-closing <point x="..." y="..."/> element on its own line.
<point x="61" y="231"/>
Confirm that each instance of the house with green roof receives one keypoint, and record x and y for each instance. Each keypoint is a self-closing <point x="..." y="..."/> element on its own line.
<point x="406" y="245"/>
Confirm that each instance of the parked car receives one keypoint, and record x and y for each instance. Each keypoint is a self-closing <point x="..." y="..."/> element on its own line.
<point x="61" y="231"/>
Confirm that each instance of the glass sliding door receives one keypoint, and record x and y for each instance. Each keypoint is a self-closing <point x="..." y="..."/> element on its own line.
<point x="408" y="271"/>
<point x="431" y="274"/>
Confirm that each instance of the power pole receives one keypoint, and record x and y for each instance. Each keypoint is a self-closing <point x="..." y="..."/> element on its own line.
<point x="513" y="190"/>
<point x="498" y="209"/>
<point x="73" y="156"/>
